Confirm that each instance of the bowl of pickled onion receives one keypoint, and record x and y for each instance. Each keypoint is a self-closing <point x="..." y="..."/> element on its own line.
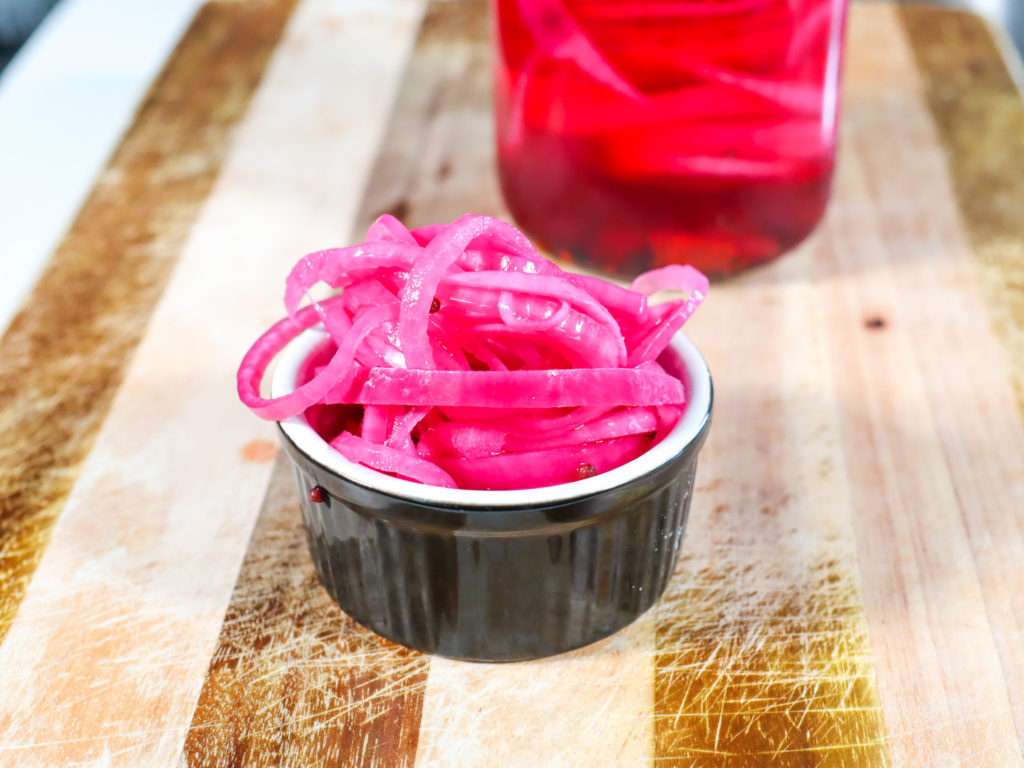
<point x="494" y="457"/>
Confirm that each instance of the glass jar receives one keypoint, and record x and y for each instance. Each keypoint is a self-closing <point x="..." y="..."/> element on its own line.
<point x="632" y="134"/>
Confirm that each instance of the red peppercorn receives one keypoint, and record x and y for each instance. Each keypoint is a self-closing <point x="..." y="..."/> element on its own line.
<point x="435" y="305"/>
<point x="316" y="494"/>
<point x="585" y="470"/>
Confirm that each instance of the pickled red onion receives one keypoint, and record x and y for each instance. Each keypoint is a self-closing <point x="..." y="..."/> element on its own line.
<point x="473" y="361"/>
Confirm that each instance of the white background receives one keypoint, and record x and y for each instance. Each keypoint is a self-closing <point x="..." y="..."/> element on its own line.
<point x="65" y="100"/>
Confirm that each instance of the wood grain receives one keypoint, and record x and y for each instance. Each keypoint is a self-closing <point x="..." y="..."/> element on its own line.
<point x="588" y="707"/>
<point x="65" y="353"/>
<point x="920" y="590"/>
<point x="850" y="591"/>
<point x="293" y="680"/>
<point x="763" y="655"/>
<point x="436" y="160"/>
<point x="979" y="118"/>
<point x="654" y="701"/>
<point x="978" y="114"/>
<point x="948" y="421"/>
<point x="106" y="658"/>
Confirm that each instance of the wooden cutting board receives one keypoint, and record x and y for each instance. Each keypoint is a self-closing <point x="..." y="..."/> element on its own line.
<point x="851" y="591"/>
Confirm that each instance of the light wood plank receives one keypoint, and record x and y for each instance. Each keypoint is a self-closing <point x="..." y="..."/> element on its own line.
<point x="587" y="707"/>
<point x="933" y="412"/>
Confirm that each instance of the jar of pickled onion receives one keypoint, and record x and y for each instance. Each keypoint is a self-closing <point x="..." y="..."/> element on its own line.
<point x="632" y="134"/>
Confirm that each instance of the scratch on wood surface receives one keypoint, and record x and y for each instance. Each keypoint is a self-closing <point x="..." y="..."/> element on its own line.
<point x="752" y="664"/>
<point x="763" y="656"/>
<point x="65" y="353"/>
<point x="294" y="681"/>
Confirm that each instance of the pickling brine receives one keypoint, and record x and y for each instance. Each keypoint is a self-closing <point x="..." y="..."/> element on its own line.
<point x="632" y="134"/>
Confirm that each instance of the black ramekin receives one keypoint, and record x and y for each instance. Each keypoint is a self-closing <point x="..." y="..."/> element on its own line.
<point x="498" y="575"/>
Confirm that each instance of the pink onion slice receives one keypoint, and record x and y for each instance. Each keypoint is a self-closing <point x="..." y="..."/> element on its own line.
<point x="387" y="227"/>
<point x="532" y="469"/>
<point x="559" y="388"/>
<point x="387" y="459"/>
<point x="338" y="370"/>
<point x="455" y="355"/>
<point x="655" y="337"/>
<point x="440" y="252"/>
<point x="629" y="421"/>
<point x="339" y="266"/>
<point x="558" y="34"/>
<point x="402" y="425"/>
